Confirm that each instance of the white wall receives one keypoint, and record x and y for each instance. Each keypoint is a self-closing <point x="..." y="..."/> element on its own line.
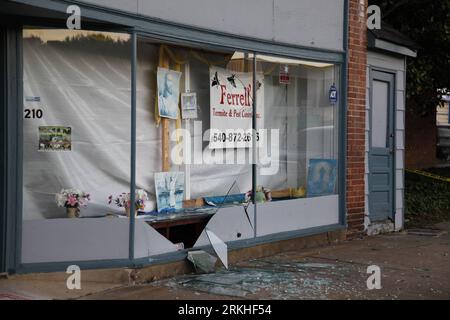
<point x="312" y="23"/>
<point x="58" y="240"/>
<point x="380" y="60"/>
<point x="297" y="214"/>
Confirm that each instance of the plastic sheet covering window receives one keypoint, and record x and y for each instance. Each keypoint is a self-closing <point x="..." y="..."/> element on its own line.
<point x="206" y="179"/>
<point x="80" y="80"/>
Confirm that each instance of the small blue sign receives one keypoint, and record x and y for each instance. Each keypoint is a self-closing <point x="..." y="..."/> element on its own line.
<point x="333" y="96"/>
<point x="32" y="99"/>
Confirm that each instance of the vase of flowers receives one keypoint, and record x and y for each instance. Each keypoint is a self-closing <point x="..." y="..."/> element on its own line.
<point x="72" y="200"/>
<point x="123" y="200"/>
<point x="72" y="212"/>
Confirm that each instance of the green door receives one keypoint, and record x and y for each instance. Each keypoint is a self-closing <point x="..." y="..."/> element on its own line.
<point x="381" y="146"/>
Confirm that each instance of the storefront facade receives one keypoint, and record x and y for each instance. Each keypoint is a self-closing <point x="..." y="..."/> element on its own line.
<point x="97" y="118"/>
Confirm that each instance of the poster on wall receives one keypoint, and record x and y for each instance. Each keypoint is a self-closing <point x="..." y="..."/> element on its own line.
<point x="55" y="138"/>
<point x="189" y="105"/>
<point x="231" y="108"/>
<point x="284" y="77"/>
<point x="168" y="82"/>
<point x="321" y="177"/>
<point x="169" y="187"/>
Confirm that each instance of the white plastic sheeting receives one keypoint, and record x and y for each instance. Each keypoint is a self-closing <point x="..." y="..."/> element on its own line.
<point x="206" y="179"/>
<point x="88" y="88"/>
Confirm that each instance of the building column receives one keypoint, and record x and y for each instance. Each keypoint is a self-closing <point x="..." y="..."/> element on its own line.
<point x="356" y="114"/>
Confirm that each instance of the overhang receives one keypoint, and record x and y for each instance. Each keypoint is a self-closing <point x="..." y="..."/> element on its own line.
<point x="390" y="40"/>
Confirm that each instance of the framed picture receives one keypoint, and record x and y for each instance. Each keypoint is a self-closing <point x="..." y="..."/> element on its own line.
<point x="189" y="105"/>
<point x="321" y="177"/>
<point x="55" y="138"/>
<point x="168" y="82"/>
<point x="169" y="187"/>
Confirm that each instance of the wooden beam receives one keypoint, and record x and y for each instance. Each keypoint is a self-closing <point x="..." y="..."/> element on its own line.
<point x="165" y="144"/>
<point x="165" y="124"/>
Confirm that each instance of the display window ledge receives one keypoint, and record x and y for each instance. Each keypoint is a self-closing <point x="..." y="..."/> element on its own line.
<point x="54" y="240"/>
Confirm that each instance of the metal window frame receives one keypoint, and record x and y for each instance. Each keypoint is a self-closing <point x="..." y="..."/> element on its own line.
<point x="12" y="169"/>
<point x="3" y="144"/>
<point x="178" y="35"/>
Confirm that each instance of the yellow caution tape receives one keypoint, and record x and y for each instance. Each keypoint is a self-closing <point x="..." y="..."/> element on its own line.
<point x="429" y="175"/>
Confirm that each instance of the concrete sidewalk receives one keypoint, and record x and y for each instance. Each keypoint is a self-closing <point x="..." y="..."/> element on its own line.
<point x="412" y="267"/>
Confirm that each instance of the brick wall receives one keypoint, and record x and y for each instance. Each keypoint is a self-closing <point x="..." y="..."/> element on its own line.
<point x="357" y="61"/>
<point x="421" y="140"/>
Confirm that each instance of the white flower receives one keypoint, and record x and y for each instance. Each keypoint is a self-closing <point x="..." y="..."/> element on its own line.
<point x="141" y="195"/>
<point x="60" y="199"/>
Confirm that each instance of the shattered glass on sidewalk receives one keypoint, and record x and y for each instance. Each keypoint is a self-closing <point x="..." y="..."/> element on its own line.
<point x="267" y="279"/>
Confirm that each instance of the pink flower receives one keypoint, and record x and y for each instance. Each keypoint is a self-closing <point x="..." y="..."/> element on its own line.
<point x="72" y="200"/>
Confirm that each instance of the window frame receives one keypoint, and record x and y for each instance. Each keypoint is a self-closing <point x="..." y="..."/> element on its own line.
<point x="186" y="36"/>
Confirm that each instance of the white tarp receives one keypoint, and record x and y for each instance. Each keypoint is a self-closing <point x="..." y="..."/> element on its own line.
<point x="86" y="86"/>
<point x="89" y="92"/>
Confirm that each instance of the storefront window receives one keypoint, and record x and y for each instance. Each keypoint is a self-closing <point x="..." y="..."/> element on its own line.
<point x="301" y="107"/>
<point x="301" y="122"/>
<point x="76" y="153"/>
<point x="182" y="160"/>
<point x="195" y="145"/>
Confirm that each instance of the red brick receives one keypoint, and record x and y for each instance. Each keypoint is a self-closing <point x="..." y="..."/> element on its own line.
<point x="356" y="121"/>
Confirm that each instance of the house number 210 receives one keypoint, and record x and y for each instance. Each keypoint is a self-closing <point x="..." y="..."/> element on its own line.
<point x="33" y="113"/>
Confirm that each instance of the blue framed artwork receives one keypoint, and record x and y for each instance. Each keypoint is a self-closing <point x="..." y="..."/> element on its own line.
<point x="169" y="187"/>
<point x="321" y="177"/>
<point x="168" y="82"/>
